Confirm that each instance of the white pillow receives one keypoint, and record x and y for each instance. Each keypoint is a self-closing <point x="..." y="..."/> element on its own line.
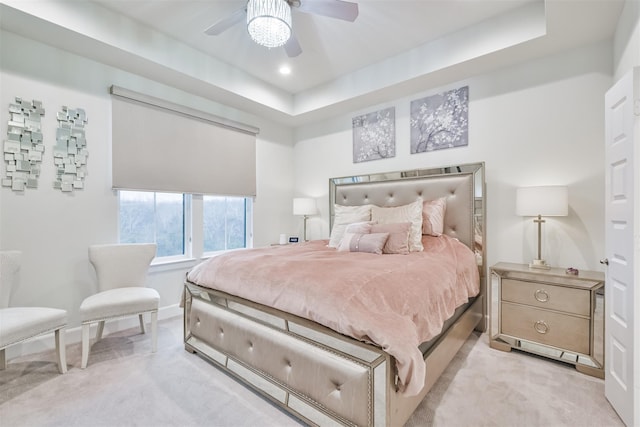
<point x="345" y="215"/>
<point x="433" y="216"/>
<point x="360" y="227"/>
<point x="407" y="213"/>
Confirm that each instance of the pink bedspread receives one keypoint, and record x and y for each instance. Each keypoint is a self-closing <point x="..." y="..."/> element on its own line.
<point x="393" y="301"/>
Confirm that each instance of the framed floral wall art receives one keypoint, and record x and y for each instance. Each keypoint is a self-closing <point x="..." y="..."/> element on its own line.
<point x="374" y="135"/>
<point x="440" y="121"/>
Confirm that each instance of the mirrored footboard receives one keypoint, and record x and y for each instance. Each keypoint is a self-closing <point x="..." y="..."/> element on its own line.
<point x="319" y="376"/>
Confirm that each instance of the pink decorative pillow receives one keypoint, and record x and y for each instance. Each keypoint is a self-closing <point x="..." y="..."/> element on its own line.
<point x="343" y="216"/>
<point x="433" y="216"/>
<point x="407" y="213"/>
<point x="371" y="243"/>
<point x="398" y="241"/>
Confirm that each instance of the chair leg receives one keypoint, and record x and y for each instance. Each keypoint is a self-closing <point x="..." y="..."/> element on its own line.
<point x="85" y="344"/>
<point x="3" y="360"/>
<point x="61" y="350"/>
<point x="154" y="331"/>
<point x="141" y="323"/>
<point x="100" y="330"/>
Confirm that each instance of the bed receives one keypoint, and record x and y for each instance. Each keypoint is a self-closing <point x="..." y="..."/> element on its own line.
<point x="356" y="365"/>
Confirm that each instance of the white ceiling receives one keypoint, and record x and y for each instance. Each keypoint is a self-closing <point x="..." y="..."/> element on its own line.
<point x="331" y="47"/>
<point x="394" y="48"/>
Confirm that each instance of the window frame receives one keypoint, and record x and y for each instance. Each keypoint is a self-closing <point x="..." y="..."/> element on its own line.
<point x="193" y="214"/>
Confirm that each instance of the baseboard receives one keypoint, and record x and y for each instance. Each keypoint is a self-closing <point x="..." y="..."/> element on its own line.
<point x="74" y="335"/>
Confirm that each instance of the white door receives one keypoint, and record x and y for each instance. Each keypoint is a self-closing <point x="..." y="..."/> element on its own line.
<point x="622" y="105"/>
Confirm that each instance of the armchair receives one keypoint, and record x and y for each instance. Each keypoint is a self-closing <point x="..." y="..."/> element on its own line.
<point x="121" y="270"/>
<point x="18" y="324"/>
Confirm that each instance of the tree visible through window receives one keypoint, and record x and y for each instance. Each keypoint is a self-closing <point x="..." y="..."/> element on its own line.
<point x="153" y="217"/>
<point x="147" y="217"/>
<point x="224" y="223"/>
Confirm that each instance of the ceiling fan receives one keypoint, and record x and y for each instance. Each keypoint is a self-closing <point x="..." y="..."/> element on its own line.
<point x="279" y="12"/>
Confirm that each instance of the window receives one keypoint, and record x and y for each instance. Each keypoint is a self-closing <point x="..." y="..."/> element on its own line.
<point x="224" y="221"/>
<point x="166" y="218"/>
<point x="153" y="217"/>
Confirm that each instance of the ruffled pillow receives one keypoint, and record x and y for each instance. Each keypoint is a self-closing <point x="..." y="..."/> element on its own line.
<point x="407" y="213"/>
<point x="356" y="242"/>
<point x="433" y="216"/>
<point x="343" y="216"/>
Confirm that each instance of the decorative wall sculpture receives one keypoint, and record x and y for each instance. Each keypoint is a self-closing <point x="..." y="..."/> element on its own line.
<point x="374" y="135"/>
<point x="70" y="152"/>
<point x="440" y="121"/>
<point x="23" y="148"/>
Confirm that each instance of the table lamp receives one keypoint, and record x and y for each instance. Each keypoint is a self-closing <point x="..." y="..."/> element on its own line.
<point x="539" y="202"/>
<point x="304" y="206"/>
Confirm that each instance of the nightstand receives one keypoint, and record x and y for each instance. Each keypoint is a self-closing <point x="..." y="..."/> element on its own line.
<point x="549" y="313"/>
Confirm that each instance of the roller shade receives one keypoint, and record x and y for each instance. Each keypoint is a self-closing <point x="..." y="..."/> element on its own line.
<point x="165" y="147"/>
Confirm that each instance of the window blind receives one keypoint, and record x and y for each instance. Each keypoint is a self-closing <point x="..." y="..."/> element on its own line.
<point x="165" y="147"/>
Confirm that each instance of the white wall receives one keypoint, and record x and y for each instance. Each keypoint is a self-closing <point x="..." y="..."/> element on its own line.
<point x="54" y="229"/>
<point x="626" y="42"/>
<point x="537" y="123"/>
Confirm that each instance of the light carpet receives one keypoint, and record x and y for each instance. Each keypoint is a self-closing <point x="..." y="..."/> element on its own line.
<point x="127" y="385"/>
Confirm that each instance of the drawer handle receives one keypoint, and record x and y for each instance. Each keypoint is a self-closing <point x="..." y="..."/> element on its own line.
<point x="541" y="295"/>
<point x="541" y="327"/>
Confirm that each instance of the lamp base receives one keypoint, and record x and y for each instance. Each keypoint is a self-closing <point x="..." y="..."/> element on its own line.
<point x="539" y="264"/>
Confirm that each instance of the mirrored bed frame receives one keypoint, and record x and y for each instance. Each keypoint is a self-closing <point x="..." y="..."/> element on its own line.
<point x="300" y="365"/>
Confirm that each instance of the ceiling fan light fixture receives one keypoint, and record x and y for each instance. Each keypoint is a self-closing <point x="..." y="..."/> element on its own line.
<point x="269" y="22"/>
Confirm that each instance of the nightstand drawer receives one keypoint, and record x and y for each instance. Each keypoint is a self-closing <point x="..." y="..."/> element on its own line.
<point x="546" y="327"/>
<point x="552" y="297"/>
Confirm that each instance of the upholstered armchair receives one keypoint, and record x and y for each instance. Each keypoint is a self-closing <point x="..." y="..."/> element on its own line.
<point x="121" y="270"/>
<point x="18" y="324"/>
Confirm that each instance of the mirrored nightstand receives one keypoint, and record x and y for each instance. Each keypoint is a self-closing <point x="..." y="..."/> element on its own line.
<point x="549" y="313"/>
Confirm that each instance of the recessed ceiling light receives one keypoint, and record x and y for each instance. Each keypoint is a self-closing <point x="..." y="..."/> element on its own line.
<point x="285" y="70"/>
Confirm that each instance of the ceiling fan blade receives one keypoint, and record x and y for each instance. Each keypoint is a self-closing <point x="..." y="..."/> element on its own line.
<point x="292" y="47"/>
<point x="226" y="23"/>
<point x="332" y="8"/>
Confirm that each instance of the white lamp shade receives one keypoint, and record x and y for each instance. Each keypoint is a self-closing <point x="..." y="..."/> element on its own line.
<point x="546" y="201"/>
<point x="304" y="206"/>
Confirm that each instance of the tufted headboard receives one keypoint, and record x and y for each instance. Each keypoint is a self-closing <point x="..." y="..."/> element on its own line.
<point x="462" y="185"/>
